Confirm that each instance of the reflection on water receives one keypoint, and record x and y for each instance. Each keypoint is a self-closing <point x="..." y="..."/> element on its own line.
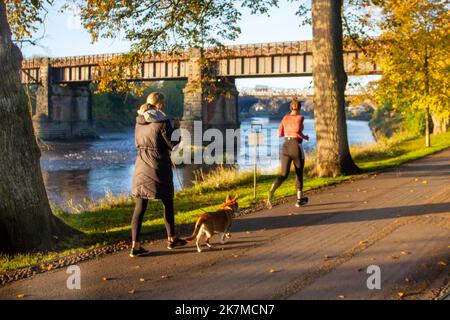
<point x="82" y="170"/>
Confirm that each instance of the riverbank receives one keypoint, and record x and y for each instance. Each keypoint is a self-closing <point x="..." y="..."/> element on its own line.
<point x="108" y="223"/>
<point x="78" y="171"/>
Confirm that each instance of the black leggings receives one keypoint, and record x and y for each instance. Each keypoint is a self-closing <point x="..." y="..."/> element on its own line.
<point x="291" y="152"/>
<point x="138" y="216"/>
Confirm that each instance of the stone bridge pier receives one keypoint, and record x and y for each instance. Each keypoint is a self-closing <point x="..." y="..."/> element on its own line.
<point x="63" y="111"/>
<point x="221" y="112"/>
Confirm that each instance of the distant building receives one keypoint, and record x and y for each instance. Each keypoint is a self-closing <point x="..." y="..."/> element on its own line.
<point x="261" y="89"/>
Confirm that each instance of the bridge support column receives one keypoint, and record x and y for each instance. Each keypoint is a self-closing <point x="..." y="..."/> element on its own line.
<point x="69" y="113"/>
<point x="220" y="113"/>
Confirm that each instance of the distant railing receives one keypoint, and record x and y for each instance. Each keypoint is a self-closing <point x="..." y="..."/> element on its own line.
<point x="245" y="50"/>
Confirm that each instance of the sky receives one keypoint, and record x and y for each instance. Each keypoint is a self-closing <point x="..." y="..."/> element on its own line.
<point x="63" y="35"/>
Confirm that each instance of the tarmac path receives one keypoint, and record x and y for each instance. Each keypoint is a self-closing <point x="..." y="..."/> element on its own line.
<point x="398" y="220"/>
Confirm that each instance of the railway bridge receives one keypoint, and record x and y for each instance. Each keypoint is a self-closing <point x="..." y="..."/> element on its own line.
<point x="63" y="99"/>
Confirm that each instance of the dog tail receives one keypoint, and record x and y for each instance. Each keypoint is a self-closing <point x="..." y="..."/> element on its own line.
<point x="198" y="225"/>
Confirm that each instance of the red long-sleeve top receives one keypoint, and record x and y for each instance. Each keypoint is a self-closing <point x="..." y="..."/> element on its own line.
<point x="292" y="126"/>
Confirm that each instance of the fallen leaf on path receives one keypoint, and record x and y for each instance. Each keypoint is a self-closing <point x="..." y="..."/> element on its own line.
<point x="273" y="270"/>
<point x="131" y="291"/>
<point x="405" y="253"/>
<point x="442" y="263"/>
<point x="393" y="257"/>
<point x="341" y="296"/>
<point x="235" y="255"/>
<point x="363" y="242"/>
<point x="21" y="296"/>
<point x="47" y="267"/>
<point x="425" y="182"/>
<point x="142" y="280"/>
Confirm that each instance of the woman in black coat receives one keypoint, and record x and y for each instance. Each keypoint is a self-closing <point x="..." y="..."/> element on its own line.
<point x="153" y="176"/>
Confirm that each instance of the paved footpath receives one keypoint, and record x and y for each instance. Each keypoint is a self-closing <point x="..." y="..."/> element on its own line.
<point x="398" y="220"/>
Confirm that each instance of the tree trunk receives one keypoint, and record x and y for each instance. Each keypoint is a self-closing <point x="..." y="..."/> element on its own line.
<point x="330" y="80"/>
<point x="427" y="128"/>
<point x="26" y="220"/>
<point x="439" y="125"/>
<point x="427" y="110"/>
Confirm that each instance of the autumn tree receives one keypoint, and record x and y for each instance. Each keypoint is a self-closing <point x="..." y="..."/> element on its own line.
<point x="412" y="50"/>
<point x="26" y="220"/>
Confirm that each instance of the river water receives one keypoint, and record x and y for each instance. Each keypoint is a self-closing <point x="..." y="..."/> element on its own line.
<point x="86" y="170"/>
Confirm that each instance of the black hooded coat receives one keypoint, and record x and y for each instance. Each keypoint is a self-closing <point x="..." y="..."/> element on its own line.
<point x="153" y="175"/>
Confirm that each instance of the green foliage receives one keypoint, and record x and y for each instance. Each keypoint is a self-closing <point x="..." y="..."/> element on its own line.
<point x="385" y="121"/>
<point x="415" y="122"/>
<point x="118" y="110"/>
<point x="114" y="109"/>
<point x="173" y="92"/>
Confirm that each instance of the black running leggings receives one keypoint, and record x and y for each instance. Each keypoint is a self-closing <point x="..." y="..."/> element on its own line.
<point x="138" y="216"/>
<point x="290" y="152"/>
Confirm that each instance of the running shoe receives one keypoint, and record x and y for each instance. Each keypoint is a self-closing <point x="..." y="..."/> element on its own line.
<point x="302" y="202"/>
<point x="176" y="243"/>
<point x="141" y="252"/>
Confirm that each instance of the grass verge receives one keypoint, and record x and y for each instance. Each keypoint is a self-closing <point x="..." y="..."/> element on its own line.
<point x="109" y="221"/>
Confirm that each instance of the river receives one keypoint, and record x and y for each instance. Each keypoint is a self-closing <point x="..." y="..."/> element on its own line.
<point x="86" y="170"/>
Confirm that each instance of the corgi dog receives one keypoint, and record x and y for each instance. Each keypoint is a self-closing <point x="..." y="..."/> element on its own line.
<point x="211" y="223"/>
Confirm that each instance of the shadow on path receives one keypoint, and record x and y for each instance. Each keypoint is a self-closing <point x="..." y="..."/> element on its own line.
<point x="280" y="222"/>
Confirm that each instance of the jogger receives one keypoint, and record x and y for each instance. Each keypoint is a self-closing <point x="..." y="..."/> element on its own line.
<point x="292" y="151"/>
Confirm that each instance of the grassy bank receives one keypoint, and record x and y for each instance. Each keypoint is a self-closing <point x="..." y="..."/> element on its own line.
<point x="108" y="222"/>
